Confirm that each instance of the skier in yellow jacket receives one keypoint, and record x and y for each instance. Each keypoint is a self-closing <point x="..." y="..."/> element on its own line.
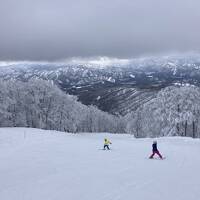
<point x="106" y="144"/>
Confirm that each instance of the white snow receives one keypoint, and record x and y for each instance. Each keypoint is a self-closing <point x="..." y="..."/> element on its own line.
<point x="48" y="165"/>
<point x="98" y="98"/>
<point x="132" y="76"/>
<point x="110" y="79"/>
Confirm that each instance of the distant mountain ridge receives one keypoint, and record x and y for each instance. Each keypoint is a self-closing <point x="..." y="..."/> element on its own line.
<point x="115" y="87"/>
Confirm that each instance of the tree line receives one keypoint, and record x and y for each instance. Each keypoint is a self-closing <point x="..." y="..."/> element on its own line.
<point x="41" y="104"/>
<point x="175" y="111"/>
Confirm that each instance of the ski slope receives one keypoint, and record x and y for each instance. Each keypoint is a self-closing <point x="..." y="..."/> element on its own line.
<point x="49" y="165"/>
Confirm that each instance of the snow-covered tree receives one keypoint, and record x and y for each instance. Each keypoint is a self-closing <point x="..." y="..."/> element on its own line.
<point x="174" y="111"/>
<point x="41" y="104"/>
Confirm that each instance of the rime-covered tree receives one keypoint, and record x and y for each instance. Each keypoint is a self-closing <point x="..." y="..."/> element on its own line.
<point x="41" y="104"/>
<point x="174" y="111"/>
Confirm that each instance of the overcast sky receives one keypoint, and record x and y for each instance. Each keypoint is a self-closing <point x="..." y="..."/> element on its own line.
<point x="58" y="29"/>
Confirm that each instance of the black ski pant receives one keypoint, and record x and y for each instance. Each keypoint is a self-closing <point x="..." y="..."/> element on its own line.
<point x="106" y="146"/>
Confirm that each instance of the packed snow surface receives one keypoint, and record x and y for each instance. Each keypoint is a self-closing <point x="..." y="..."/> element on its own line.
<point x="49" y="165"/>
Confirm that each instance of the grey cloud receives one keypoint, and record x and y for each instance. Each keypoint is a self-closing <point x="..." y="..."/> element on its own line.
<point x="53" y="30"/>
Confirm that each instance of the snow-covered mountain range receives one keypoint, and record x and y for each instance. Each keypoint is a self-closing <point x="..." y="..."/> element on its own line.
<point x="113" y="85"/>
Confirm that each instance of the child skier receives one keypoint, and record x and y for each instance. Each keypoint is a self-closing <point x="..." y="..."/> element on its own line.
<point x="106" y="144"/>
<point x="155" y="150"/>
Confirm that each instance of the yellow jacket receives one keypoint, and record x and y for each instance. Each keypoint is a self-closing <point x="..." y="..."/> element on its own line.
<point x="107" y="142"/>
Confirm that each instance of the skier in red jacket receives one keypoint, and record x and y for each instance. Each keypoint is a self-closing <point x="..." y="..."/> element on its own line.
<point x="155" y="150"/>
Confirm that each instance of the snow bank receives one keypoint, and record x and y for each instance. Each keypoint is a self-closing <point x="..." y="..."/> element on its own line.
<point x="48" y="165"/>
